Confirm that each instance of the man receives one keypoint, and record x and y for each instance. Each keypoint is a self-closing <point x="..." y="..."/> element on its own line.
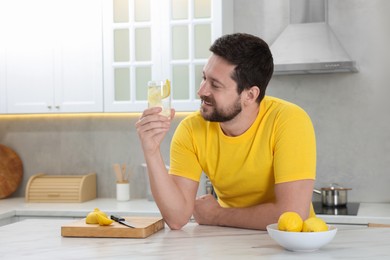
<point x="258" y="151"/>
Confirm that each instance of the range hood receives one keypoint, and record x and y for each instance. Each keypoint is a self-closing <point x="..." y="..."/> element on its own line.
<point x="308" y="44"/>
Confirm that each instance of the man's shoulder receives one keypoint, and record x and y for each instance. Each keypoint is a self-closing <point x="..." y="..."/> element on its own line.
<point x="278" y="101"/>
<point x="193" y="120"/>
<point x="193" y="116"/>
<point x="281" y="105"/>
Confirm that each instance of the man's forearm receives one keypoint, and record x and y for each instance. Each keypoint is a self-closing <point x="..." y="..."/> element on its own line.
<point x="290" y="196"/>
<point x="172" y="203"/>
<point x="209" y="212"/>
<point x="256" y="217"/>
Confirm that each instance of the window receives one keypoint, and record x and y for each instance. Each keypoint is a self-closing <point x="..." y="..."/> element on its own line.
<point x="157" y="39"/>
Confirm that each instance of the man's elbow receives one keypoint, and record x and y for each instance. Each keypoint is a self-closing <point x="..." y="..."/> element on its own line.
<point x="176" y="225"/>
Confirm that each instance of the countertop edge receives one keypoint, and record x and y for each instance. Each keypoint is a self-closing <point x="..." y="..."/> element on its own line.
<point x="378" y="213"/>
<point x="17" y="207"/>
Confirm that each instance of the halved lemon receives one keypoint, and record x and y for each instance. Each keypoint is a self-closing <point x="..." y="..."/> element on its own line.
<point x="103" y="221"/>
<point x="92" y="217"/>
<point x="166" y="89"/>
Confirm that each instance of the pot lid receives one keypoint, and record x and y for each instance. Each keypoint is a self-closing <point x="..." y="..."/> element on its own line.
<point x="335" y="186"/>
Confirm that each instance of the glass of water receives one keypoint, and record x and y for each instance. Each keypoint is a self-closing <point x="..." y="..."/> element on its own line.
<point x="159" y="95"/>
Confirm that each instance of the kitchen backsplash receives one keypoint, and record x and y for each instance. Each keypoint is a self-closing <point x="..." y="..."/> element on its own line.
<point x="78" y="145"/>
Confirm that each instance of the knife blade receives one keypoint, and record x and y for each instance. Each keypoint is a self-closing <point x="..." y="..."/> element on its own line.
<point x="122" y="221"/>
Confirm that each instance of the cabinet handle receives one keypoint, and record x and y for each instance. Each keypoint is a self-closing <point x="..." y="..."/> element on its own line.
<point x="58" y="107"/>
<point x="49" y="107"/>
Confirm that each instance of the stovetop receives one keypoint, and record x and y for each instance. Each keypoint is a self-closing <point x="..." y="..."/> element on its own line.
<point x="351" y="209"/>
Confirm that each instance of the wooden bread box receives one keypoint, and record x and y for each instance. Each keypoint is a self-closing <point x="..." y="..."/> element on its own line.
<point x="61" y="188"/>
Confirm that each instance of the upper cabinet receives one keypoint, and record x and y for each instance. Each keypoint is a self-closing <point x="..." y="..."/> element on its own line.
<point x="56" y="55"/>
<point x="2" y="79"/>
<point x="2" y="60"/>
<point x="157" y="40"/>
<point x="51" y="56"/>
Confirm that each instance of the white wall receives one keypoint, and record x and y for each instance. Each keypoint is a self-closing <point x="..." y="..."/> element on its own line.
<point x="349" y="111"/>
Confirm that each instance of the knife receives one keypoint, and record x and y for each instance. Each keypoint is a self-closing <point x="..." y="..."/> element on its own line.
<point x="122" y="221"/>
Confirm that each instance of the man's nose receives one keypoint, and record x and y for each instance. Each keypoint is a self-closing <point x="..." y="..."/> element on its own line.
<point x="202" y="91"/>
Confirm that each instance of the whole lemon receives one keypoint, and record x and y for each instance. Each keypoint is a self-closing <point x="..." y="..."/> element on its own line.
<point x="314" y="224"/>
<point x="290" y="221"/>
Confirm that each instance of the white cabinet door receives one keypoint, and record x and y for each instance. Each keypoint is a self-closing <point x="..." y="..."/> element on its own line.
<point x="79" y="87"/>
<point x="2" y="60"/>
<point x="158" y="39"/>
<point x="29" y="56"/>
<point x="53" y="56"/>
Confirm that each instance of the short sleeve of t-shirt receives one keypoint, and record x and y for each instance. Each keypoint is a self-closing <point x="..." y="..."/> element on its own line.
<point x="295" y="146"/>
<point x="184" y="152"/>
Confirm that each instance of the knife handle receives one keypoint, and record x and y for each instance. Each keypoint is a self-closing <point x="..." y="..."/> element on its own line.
<point x="116" y="218"/>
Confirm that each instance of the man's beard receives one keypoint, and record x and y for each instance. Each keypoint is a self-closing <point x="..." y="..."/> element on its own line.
<point x="219" y="115"/>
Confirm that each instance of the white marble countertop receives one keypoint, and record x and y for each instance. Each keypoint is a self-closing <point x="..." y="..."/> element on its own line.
<point x="35" y="233"/>
<point x="17" y="207"/>
<point x="41" y="239"/>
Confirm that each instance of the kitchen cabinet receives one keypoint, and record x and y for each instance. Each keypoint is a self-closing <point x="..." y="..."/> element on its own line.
<point x="157" y="40"/>
<point x="51" y="56"/>
<point x="2" y="88"/>
<point x="2" y="61"/>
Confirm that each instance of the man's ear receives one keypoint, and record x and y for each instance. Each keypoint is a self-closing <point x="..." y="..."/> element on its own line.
<point x="252" y="94"/>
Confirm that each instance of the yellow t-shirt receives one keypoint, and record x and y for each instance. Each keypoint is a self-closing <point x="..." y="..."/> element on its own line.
<point x="279" y="147"/>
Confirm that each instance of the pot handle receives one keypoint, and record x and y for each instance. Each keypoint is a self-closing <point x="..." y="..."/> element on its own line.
<point x="317" y="191"/>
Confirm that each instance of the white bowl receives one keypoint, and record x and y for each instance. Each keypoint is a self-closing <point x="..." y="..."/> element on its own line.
<point x="301" y="241"/>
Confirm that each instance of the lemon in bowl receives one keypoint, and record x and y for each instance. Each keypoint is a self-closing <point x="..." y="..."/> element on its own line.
<point x="301" y="241"/>
<point x="290" y="221"/>
<point x="314" y="224"/>
<point x="294" y="234"/>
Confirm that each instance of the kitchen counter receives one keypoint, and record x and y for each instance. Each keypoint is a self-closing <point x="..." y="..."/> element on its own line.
<point x="15" y="209"/>
<point x="34" y="232"/>
<point x="41" y="239"/>
<point x="375" y="213"/>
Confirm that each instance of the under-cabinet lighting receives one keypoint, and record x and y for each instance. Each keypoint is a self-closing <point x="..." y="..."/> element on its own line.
<point x="78" y="115"/>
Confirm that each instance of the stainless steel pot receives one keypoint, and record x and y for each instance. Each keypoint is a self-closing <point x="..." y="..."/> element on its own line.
<point x="334" y="195"/>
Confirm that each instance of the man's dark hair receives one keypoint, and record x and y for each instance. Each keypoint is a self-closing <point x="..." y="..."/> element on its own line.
<point x="252" y="57"/>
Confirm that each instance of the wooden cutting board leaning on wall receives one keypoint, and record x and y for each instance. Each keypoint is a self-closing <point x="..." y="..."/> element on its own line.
<point x="11" y="171"/>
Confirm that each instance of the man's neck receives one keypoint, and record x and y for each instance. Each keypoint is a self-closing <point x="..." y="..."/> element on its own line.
<point x="241" y="123"/>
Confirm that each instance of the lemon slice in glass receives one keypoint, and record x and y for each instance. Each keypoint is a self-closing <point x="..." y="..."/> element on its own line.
<point x="166" y="89"/>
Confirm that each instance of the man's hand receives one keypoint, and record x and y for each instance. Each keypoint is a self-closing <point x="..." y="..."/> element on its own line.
<point x="290" y="196"/>
<point x="152" y="127"/>
<point x="207" y="210"/>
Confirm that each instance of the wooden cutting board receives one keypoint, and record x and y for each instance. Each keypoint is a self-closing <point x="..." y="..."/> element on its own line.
<point x="144" y="227"/>
<point x="11" y="171"/>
